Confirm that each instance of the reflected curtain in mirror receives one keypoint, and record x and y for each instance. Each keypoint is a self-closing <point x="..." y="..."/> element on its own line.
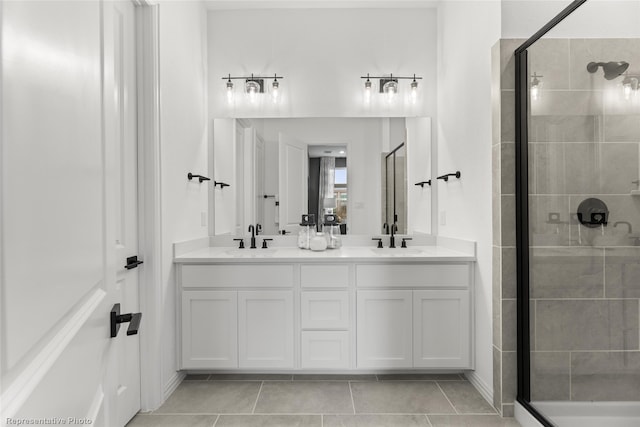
<point x="326" y="199"/>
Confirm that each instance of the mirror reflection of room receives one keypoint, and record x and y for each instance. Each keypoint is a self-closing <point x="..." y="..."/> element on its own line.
<point x="327" y="189"/>
<point x="283" y="168"/>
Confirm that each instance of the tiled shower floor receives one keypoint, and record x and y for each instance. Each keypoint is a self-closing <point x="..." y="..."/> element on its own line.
<point x="437" y="400"/>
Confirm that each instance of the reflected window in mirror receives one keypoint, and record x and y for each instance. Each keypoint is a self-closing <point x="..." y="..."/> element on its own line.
<point x="327" y="190"/>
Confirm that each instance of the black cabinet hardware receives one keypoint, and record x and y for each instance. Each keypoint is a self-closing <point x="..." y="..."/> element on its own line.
<point x="284" y="232"/>
<point x="241" y="244"/>
<point x="422" y="183"/>
<point x="200" y="177"/>
<point x="404" y="241"/>
<point x="379" y="239"/>
<point x="117" y="318"/>
<point x="445" y="177"/>
<point x="132" y="262"/>
<point x="264" y="243"/>
<point x="221" y="184"/>
<point x="269" y="196"/>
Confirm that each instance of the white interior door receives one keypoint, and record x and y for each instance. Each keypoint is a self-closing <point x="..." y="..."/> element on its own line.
<point x="58" y="227"/>
<point x="125" y="152"/>
<point x="292" y="182"/>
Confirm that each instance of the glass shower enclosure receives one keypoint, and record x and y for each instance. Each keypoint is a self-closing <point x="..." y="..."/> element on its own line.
<point x="578" y="221"/>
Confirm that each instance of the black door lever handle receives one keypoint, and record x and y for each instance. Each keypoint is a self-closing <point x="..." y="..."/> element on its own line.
<point x="132" y="262"/>
<point x="117" y="318"/>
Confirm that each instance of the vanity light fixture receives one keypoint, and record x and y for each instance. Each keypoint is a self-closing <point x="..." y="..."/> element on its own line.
<point x="629" y="86"/>
<point x="367" y="90"/>
<point x="229" y="90"/>
<point x="253" y="86"/>
<point x="536" y="86"/>
<point x="414" y="90"/>
<point x="389" y="87"/>
<point x="275" y="90"/>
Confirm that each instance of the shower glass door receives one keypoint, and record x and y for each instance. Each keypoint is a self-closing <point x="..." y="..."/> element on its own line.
<point x="584" y="223"/>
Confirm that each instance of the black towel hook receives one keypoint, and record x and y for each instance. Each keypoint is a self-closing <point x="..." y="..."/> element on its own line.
<point x="201" y="178"/>
<point x="445" y="177"/>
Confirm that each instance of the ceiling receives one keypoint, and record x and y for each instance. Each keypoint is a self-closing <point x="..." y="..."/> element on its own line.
<point x="318" y="4"/>
<point x="321" y="150"/>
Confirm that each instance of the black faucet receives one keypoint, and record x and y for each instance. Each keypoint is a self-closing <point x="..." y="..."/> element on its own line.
<point x="252" y="229"/>
<point x="385" y="227"/>
<point x="627" y="223"/>
<point x="392" y="239"/>
<point x="258" y="229"/>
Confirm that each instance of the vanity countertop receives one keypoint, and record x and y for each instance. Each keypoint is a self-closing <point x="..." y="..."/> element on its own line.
<point x="345" y="254"/>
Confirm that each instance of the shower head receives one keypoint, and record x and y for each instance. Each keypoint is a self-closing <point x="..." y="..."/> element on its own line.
<point x="611" y="69"/>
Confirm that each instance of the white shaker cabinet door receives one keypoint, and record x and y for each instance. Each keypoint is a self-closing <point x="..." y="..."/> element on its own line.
<point x="209" y="329"/>
<point x="442" y="329"/>
<point x="265" y="329"/>
<point x="384" y="329"/>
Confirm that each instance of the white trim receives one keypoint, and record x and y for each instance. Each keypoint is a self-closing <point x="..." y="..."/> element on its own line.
<point x="149" y="208"/>
<point x="173" y="383"/>
<point x="3" y="249"/>
<point x="524" y="417"/>
<point x="480" y="385"/>
<point x="97" y="407"/>
<point x="318" y="4"/>
<point x="16" y="394"/>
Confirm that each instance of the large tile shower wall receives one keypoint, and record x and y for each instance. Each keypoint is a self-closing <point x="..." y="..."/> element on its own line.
<point x="585" y="282"/>
<point x="504" y="240"/>
<point x="584" y="142"/>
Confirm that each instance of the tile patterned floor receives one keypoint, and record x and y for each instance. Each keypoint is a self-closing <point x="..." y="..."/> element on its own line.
<point x="393" y="400"/>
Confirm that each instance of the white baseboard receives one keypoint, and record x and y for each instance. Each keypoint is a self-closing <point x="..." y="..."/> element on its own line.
<point x="481" y="386"/>
<point x="173" y="384"/>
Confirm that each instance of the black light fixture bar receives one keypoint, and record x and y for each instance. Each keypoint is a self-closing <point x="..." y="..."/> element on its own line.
<point x="252" y="77"/>
<point x="391" y="77"/>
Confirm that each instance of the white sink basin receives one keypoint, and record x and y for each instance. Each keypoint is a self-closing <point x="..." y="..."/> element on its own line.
<point x="251" y="253"/>
<point x="395" y="251"/>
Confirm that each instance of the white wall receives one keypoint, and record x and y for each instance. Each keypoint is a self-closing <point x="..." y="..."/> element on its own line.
<point x="322" y="53"/>
<point x="594" y="19"/>
<point x="183" y="138"/>
<point x="464" y="144"/>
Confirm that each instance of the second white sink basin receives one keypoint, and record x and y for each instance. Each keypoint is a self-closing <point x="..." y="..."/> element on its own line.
<point x="395" y="251"/>
<point x="251" y="253"/>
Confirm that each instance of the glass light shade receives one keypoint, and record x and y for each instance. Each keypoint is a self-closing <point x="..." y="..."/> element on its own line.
<point x="629" y="87"/>
<point x="367" y="91"/>
<point x="627" y="90"/>
<point x="253" y="89"/>
<point x="535" y="88"/>
<point x="414" y="91"/>
<point x="390" y="88"/>
<point x="230" y="92"/>
<point x="275" y="91"/>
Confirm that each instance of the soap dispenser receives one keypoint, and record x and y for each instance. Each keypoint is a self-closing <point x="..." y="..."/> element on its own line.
<point x="331" y="230"/>
<point x="307" y="230"/>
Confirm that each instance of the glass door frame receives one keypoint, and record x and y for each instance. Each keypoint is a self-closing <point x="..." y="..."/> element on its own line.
<point x="522" y="213"/>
